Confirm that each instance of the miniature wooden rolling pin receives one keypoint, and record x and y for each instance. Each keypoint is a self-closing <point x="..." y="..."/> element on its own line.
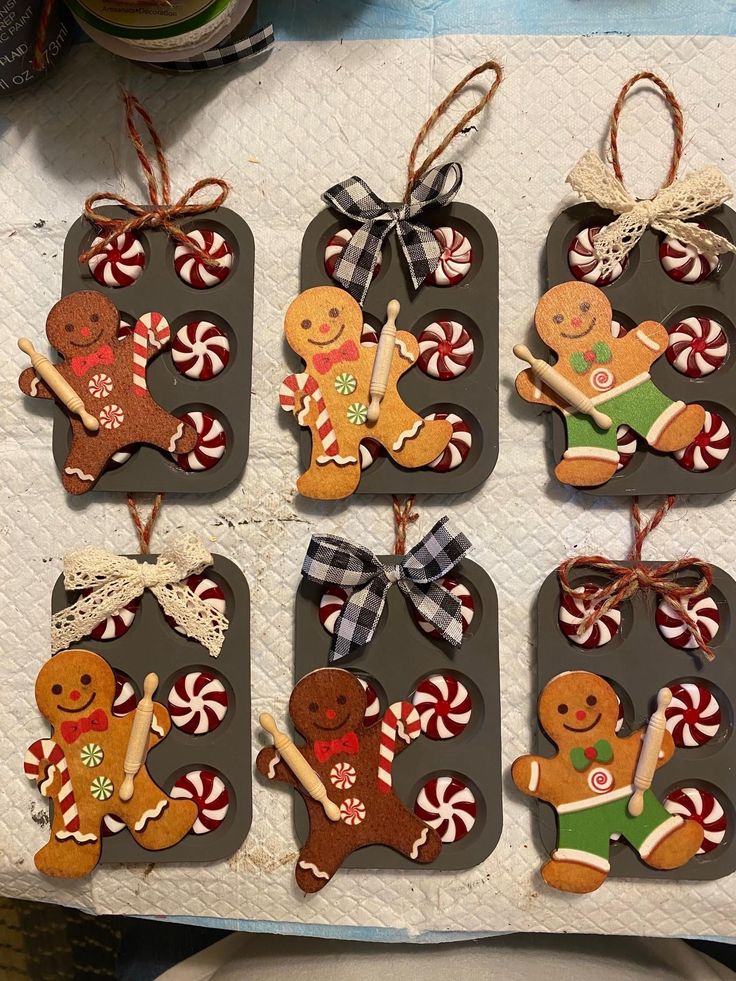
<point x="382" y="361"/>
<point x="563" y="387"/>
<point x="135" y="754"/>
<point x="58" y="384"/>
<point x="650" y="747"/>
<point x="299" y="766"/>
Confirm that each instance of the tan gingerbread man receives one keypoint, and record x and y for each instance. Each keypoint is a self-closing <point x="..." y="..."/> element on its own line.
<point x="574" y="320"/>
<point x="80" y="767"/>
<point x="109" y="376"/>
<point x="589" y="783"/>
<point x="331" y="397"/>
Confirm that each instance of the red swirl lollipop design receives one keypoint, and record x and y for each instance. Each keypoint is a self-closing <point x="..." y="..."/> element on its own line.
<point x="197" y="703"/>
<point x="449" y="806"/>
<point x="121" y="261"/>
<point x="111" y="416"/>
<point x="461" y="441"/>
<point x="352" y="811"/>
<point x="709" y="448"/>
<point x="574" y="609"/>
<point x="116" y="624"/>
<point x="702" y="610"/>
<point x="697" y="346"/>
<point x="705" y="808"/>
<point x="444" y="706"/>
<point x="467" y="608"/>
<point x="585" y="265"/>
<point x="684" y="263"/>
<point x="200" y="350"/>
<point x="455" y="260"/>
<point x="126" y="698"/>
<point x="694" y="715"/>
<point x="335" y="248"/>
<point x="211" y="442"/>
<point x="445" y="350"/>
<point x="626" y="444"/>
<point x="209" y="793"/>
<point x="190" y="267"/>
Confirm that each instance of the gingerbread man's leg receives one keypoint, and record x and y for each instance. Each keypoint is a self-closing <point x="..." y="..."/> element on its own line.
<point x="84" y="464"/>
<point x="666" y="425"/>
<point x="319" y="859"/>
<point x="167" y="432"/>
<point x="69" y="855"/>
<point x="407" y="834"/>
<point x="408" y="439"/>
<point x="328" y="478"/>
<point x="664" y="840"/>
<point x="591" y="456"/>
<point x="580" y="861"/>
<point x="154" y="819"/>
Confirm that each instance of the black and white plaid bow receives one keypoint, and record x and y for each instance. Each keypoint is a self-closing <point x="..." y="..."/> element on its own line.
<point x="336" y="562"/>
<point x="353" y="197"/>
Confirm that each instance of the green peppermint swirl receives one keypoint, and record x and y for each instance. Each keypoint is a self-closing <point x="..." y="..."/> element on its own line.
<point x="101" y="788"/>
<point x="91" y="754"/>
<point x="357" y="413"/>
<point x="346" y="383"/>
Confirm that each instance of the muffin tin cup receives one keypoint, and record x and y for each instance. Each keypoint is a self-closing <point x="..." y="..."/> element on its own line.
<point x="159" y="288"/>
<point x="151" y="644"/>
<point x="398" y="658"/>
<point x="473" y="302"/>
<point x="638" y="666"/>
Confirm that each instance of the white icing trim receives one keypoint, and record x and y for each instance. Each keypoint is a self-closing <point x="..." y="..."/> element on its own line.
<point x="664" y="420"/>
<point x="340" y="461"/>
<point x="418" y="843"/>
<point x="646" y="340"/>
<point x="582" y="805"/>
<point x="534" y="777"/>
<point x="591" y="453"/>
<point x="34" y="385"/>
<point x="152" y="813"/>
<point x="311" y="867"/>
<point x="659" y="834"/>
<point x="77" y="836"/>
<point x="408" y="434"/>
<point x="176" y="436"/>
<point x="272" y="766"/>
<point x="76" y="472"/>
<point x="404" y="351"/>
<point x="306" y="403"/>
<point x="582" y="858"/>
<point x="155" y="727"/>
<point x="50" y="773"/>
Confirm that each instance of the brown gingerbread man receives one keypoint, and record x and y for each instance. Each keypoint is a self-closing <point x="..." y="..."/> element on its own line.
<point x="331" y="397"/>
<point x="574" y="320"/>
<point x="589" y="784"/>
<point x="108" y="374"/>
<point x="327" y="707"/>
<point x="80" y="767"/>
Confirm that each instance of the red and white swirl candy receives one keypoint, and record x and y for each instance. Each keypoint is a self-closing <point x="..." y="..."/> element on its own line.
<point x="330" y="607"/>
<point x="585" y="265"/>
<point x="116" y="624"/>
<point x="621" y="716"/>
<point x="119" y="458"/>
<point x="709" y="448"/>
<point x="343" y="776"/>
<point x="111" y="416"/>
<point x="352" y="811"/>
<point x="618" y="329"/>
<point x="125" y="326"/>
<point x="205" y="590"/>
<point x="467" y="607"/>
<point x="574" y="609"/>
<point x="372" y="703"/>
<point x="192" y="270"/>
<point x="694" y="715"/>
<point x="370" y="450"/>
<point x="200" y="350"/>
<point x="457" y="449"/>
<point x="455" y="260"/>
<point x="447" y="805"/>
<point x="445" y="350"/>
<point x="600" y="780"/>
<point x="121" y="261"/>
<point x="211" y="442"/>
<point x="684" y="263"/>
<point x="368" y="336"/>
<point x="695" y="804"/>
<point x="335" y="248"/>
<point x="209" y="793"/>
<point x="197" y="702"/>
<point x="444" y="706"/>
<point x="697" y="346"/>
<point x="100" y="385"/>
<point x="626" y="444"/>
<point x="111" y="825"/>
<point x="702" y="610"/>
<point x="126" y="698"/>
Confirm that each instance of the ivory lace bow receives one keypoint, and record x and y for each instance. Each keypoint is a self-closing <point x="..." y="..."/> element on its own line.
<point x="667" y="212"/>
<point x="114" y="581"/>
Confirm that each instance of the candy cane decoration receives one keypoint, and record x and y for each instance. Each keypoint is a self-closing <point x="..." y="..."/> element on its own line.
<point x="47" y="749"/>
<point x="400" y="721"/>
<point x="152" y="328"/>
<point x="305" y="384"/>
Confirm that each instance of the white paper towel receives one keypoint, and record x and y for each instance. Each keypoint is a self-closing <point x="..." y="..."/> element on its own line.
<point x="282" y="132"/>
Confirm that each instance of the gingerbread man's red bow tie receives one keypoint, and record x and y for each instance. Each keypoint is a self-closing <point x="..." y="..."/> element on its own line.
<point x="327" y="359"/>
<point x="324" y="749"/>
<point x="95" y="722"/>
<point x="85" y="362"/>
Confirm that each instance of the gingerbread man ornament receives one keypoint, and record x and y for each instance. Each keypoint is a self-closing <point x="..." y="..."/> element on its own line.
<point x="574" y="320"/>
<point x="81" y="768"/>
<point x="353" y="765"/>
<point x="109" y="376"/>
<point x="590" y="783"/>
<point x="332" y="396"/>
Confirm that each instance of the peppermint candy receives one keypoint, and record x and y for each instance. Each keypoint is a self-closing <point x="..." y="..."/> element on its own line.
<point x="121" y="261"/>
<point x="444" y="706"/>
<point x="449" y="806"/>
<point x="193" y="271"/>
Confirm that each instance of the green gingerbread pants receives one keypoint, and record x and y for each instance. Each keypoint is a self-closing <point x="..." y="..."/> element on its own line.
<point x="584" y="835"/>
<point x="643" y="407"/>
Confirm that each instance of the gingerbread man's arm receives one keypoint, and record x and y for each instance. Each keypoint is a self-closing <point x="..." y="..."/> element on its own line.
<point x="270" y="765"/>
<point x="31" y="384"/>
<point x="160" y="724"/>
<point x="645" y="343"/>
<point x="529" y="388"/>
<point x="532" y="776"/>
<point x="666" y="751"/>
<point x="407" y="349"/>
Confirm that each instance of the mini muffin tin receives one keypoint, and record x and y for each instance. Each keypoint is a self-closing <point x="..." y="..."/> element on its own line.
<point x="638" y="661"/>
<point x="228" y="305"/>
<point x="399" y="658"/>
<point x="151" y="644"/>
<point x="473" y="303"/>
<point x="645" y="291"/>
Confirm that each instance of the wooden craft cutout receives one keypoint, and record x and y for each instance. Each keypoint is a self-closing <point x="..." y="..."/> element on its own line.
<point x="331" y="397"/>
<point x="102" y="377"/>
<point x="81" y="767"/>
<point x="610" y="374"/>
<point x="354" y="765"/>
<point x="592" y="781"/>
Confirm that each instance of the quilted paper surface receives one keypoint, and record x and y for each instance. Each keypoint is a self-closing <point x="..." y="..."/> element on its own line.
<point x="282" y="132"/>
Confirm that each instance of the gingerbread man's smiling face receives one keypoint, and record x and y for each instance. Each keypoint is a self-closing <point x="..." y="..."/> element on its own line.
<point x="323" y="320"/>
<point x="74" y="683"/>
<point x="79" y="323"/>
<point x="327" y="704"/>
<point x="572" y="317"/>
<point x="578" y="706"/>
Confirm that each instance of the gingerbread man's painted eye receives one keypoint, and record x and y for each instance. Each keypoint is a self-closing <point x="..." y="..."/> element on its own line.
<point x="562" y="709"/>
<point x="69" y="328"/>
<point x="591" y="700"/>
<point x="85" y="679"/>
<point x="341" y="699"/>
<point x="334" y="312"/>
<point x="558" y="318"/>
<point x="306" y="324"/>
<point x="584" y="307"/>
<point x="94" y="318"/>
<point x="313" y="707"/>
<point x="56" y="690"/>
